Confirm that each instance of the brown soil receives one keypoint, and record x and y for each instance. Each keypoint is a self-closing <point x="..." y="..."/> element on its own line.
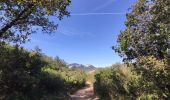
<point x="85" y="93"/>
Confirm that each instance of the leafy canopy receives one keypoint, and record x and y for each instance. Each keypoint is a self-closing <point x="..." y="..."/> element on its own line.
<point x="20" y="18"/>
<point x="147" y="30"/>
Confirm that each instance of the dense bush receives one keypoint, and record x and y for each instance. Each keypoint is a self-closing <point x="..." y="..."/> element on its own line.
<point x="148" y="79"/>
<point x="31" y="75"/>
<point x="116" y="82"/>
<point x="90" y="76"/>
<point x="155" y="79"/>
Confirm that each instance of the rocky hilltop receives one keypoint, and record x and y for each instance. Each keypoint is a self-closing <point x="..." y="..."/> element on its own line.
<point x="87" y="67"/>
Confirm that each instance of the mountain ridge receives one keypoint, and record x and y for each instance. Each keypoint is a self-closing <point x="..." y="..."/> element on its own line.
<point x="86" y="67"/>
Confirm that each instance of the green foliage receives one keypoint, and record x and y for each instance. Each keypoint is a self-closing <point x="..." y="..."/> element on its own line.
<point x="117" y="82"/>
<point x="149" y="79"/>
<point x="30" y="75"/>
<point x="144" y="45"/>
<point x="102" y="83"/>
<point x="20" y="18"/>
<point x="147" y="31"/>
<point x="90" y="76"/>
<point x="155" y="76"/>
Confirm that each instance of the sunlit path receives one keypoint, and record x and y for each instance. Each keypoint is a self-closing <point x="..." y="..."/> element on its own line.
<point x="86" y="93"/>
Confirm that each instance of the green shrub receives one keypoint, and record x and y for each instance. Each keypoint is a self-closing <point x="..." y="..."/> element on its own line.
<point x="116" y="82"/>
<point x="30" y="75"/>
<point x="90" y="76"/>
<point x="148" y="79"/>
<point x="155" y="76"/>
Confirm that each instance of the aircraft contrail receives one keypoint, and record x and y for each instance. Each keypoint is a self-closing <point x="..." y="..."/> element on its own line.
<point x="85" y="14"/>
<point x="103" y="5"/>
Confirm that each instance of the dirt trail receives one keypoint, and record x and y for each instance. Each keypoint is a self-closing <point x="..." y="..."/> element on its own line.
<point x="86" y="93"/>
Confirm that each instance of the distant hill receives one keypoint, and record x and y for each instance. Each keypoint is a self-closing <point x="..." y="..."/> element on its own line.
<point x="86" y="67"/>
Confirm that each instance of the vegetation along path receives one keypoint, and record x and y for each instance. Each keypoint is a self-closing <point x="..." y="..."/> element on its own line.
<point x="85" y="93"/>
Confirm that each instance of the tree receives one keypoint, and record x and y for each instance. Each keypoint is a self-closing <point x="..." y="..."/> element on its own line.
<point x="147" y="31"/>
<point x="145" y="42"/>
<point x="20" y="18"/>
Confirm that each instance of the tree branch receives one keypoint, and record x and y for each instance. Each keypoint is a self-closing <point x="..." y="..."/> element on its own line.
<point x="9" y="25"/>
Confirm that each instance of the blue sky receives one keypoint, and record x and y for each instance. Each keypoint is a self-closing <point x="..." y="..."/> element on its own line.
<point x="86" y="37"/>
